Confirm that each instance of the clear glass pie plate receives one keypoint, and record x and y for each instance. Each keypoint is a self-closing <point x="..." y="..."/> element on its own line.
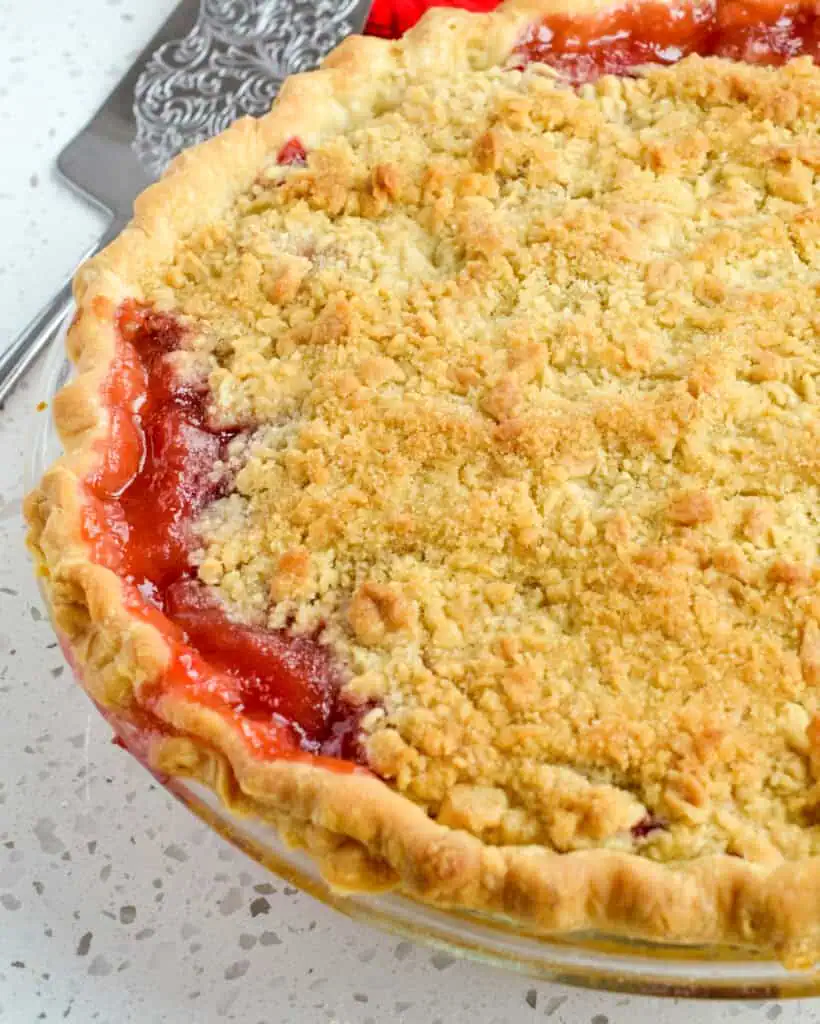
<point x="591" y="960"/>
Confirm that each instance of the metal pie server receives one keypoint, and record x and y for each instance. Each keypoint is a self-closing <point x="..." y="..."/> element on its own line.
<point x="211" y="62"/>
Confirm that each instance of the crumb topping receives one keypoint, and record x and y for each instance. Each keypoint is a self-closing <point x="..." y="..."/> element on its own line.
<point x="532" y="374"/>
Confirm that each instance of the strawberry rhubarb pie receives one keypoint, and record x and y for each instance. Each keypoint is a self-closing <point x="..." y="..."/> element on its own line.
<point x="441" y="469"/>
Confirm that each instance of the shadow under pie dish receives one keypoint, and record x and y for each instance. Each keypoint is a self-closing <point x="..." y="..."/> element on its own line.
<point x="441" y="470"/>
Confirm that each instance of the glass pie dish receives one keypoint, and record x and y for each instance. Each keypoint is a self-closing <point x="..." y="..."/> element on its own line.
<point x="591" y="960"/>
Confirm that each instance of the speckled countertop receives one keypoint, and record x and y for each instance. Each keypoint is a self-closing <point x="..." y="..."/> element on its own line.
<point x="115" y="904"/>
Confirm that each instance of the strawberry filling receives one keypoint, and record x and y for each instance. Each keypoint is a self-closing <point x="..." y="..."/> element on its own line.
<point x="160" y="465"/>
<point x="392" y="18"/>
<point x="615" y="43"/>
<point x="291" y="677"/>
<point x="646" y="826"/>
<point x="158" y="468"/>
<point x="293" y="152"/>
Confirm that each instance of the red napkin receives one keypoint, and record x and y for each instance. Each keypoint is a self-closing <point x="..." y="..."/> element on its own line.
<point x="391" y="18"/>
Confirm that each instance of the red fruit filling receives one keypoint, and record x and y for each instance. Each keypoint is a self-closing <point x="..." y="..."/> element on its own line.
<point x="640" y="33"/>
<point x="293" y="152"/>
<point x="617" y="42"/>
<point x="392" y="18"/>
<point x="646" y="826"/>
<point x="289" y="676"/>
<point x="160" y="466"/>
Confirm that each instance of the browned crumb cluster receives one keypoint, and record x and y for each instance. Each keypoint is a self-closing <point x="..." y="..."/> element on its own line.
<point x="535" y="378"/>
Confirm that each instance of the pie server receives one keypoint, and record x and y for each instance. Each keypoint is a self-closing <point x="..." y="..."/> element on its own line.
<point x="211" y="62"/>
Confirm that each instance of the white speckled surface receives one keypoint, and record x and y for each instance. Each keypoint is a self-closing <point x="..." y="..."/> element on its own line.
<point x="115" y="904"/>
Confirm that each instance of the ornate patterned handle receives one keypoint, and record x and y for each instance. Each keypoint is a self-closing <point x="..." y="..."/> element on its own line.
<point x="231" y="63"/>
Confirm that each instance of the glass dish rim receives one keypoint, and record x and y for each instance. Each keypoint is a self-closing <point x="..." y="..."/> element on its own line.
<point x="602" y="962"/>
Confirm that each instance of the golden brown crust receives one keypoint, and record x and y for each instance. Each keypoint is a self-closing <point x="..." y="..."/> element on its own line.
<point x="364" y="833"/>
<point x="713" y="900"/>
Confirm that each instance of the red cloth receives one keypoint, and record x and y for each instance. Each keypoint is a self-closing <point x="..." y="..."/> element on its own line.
<point x="391" y="18"/>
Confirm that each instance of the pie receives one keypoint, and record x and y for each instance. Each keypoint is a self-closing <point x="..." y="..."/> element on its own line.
<point x="442" y="464"/>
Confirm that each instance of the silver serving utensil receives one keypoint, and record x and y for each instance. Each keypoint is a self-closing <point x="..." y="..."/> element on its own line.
<point x="211" y="62"/>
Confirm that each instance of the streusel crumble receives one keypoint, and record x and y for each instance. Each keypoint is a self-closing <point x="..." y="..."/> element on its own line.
<point x="533" y="378"/>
